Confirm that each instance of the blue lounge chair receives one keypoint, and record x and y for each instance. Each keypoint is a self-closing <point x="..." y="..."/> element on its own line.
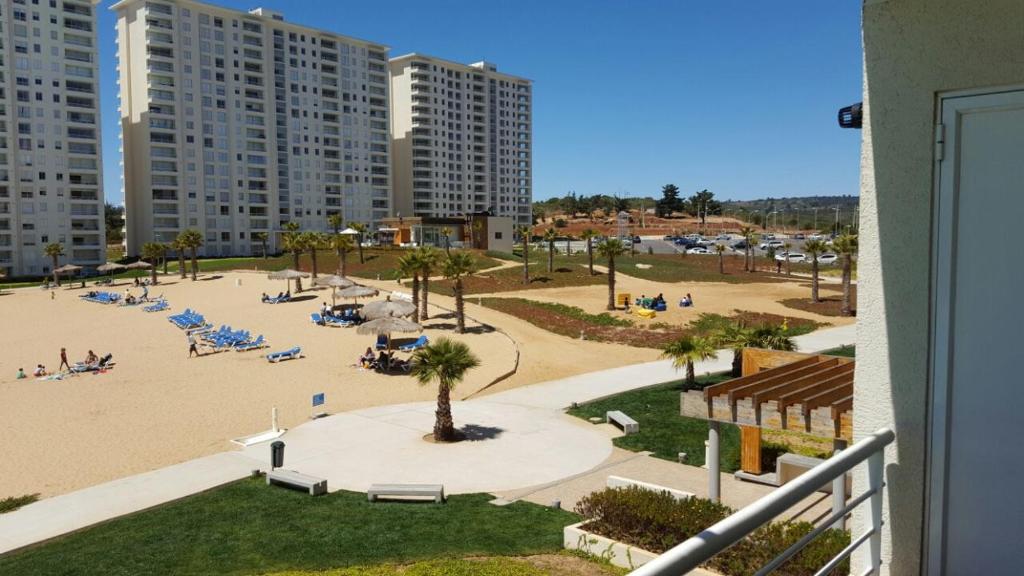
<point x="256" y="344"/>
<point x="336" y="321"/>
<point x="419" y="343"/>
<point x="382" y="342"/>
<point x="285" y="355"/>
<point x="159" y="306"/>
<point x="317" y="319"/>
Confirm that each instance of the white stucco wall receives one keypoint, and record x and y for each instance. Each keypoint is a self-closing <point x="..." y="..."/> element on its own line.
<point x="913" y="51"/>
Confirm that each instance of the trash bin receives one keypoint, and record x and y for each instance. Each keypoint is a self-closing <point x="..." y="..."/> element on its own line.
<point x="276" y="454"/>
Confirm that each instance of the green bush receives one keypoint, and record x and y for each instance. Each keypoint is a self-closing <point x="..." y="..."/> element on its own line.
<point x="656" y="521"/>
<point x="14" y="502"/>
<point x="602" y="319"/>
<point x="503" y="255"/>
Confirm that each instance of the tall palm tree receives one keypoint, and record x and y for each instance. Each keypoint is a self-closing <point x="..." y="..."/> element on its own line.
<point x="361" y="228"/>
<point x="720" y="250"/>
<point x="446" y="232"/>
<point x="589" y="235"/>
<point x="611" y="249"/>
<point x="455" y="268"/>
<point x="549" y="236"/>
<point x="524" y="237"/>
<point x="342" y="245"/>
<point x="748" y="234"/>
<point x="292" y="241"/>
<point x="167" y="247"/>
<point x="687" y="350"/>
<point x="180" y="249"/>
<point x="568" y="244"/>
<point x="846" y="247"/>
<point x="262" y="238"/>
<point x="429" y="258"/>
<point x="192" y="239"/>
<point x="153" y="251"/>
<point x="54" y="250"/>
<point x="335" y="221"/>
<point x="814" y="248"/>
<point x="313" y="242"/>
<point x="445" y="362"/>
<point x="409" y="265"/>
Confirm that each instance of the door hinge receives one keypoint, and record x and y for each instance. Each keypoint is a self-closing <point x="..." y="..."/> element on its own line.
<point x="940" y="141"/>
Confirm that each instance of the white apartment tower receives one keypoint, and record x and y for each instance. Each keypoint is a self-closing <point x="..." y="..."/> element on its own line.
<point x="237" y="123"/>
<point x="50" y="169"/>
<point x="462" y="139"/>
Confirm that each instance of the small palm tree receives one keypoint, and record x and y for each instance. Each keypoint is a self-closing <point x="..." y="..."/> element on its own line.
<point x="611" y="249"/>
<point x="167" y="247"/>
<point x="343" y="244"/>
<point x="814" y="248"/>
<point x="446" y="233"/>
<point x="313" y="242"/>
<point x="589" y="235"/>
<point x="445" y="362"/>
<point x="192" y="239"/>
<point x="568" y="244"/>
<point x="455" y="268"/>
<point x="720" y="250"/>
<point x="335" y="221"/>
<point x="179" y="249"/>
<point x="748" y="246"/>
<point x="772" y="337"/>
<point x="361" y="228"/>
<point x="549" y="237"/>
<point x="54" y="250"/>
<point x="846" y="247"/>
<point x="262" y="238"/>
<point x="524" y="237"/>
<point x="409" y="266"/>
<point x="153" y="251"/>
<point x="429" y="258"/>
<point x="292" y="241"/>
<point x="687" y="350"/>
<point x="736" y="336"/>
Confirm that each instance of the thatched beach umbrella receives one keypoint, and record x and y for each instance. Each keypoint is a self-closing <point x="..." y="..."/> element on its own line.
<point x="110" y="267"/>
<point x="387" y="326"/>
<point x="69" y="269"/>
<point x="389" y="307"/>
<point x="357" y="292"/>
<point x="288" y="274"/>
<point x="139" y="265"/>
<point x="335" y="282"/>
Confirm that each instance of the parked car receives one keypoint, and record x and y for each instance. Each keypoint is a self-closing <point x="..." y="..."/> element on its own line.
<point x="698" y="250"/>
<point x="771" y="244"/>
<point x="791" y="256"/>
<point x="669" y="238"/>
<point x="723" y="238"/>
<point x="816" y="237"/>
<point x="636" y="239"/>
<point x="686" y="242"/>
<point x="741" y="245"/>
<point x="798" y="236"/>
<point x="828" y="259"/>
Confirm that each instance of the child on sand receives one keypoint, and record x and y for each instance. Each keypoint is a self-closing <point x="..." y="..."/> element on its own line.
<point x="20" y="375"/>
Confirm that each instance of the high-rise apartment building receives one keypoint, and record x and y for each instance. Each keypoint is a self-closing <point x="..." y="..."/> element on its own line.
<point x="462" y="139"/>
<point x="236" y="123"/>
<point x="50" y="169"/>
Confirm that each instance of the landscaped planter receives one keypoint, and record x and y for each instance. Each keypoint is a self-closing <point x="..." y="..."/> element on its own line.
<point x="619" y="554"/>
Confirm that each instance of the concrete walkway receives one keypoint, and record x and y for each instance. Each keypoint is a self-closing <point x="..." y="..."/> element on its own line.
<point x="66" y="513"/>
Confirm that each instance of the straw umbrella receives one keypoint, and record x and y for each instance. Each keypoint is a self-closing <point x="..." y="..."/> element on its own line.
<point x="69" y="269"/>
<point x="335" y="282"/>
<point x="356" y="292"/>
<point x="389" y="307"/>
<point x="139" y="265"/>
<point x="287" y="274"/>
<point x="387" y="326"/>
<point x="110" y="267"/>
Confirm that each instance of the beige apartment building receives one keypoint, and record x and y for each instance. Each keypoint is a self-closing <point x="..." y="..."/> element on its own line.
<point x="237" y="123"/>
<point x="462" y="139"/>
<point x="50" y="169"/>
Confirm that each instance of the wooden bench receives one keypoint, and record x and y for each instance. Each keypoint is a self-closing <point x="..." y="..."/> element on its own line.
<point x="629" y="426"/>
<point x="315" y="486"/>
<point x="431" y="491"/>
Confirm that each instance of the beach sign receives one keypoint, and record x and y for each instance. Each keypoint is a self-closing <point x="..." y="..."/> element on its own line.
<point x="318" y="399"/>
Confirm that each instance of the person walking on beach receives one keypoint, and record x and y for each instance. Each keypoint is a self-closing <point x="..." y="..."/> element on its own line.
<point x="64" y="359"/>
<point x="192" y="347"/>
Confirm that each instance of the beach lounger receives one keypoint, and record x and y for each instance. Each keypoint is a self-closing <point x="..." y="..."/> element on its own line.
<point x="382" y="342"/>
<point x="336" y="321"/>
<point x="285" y="355"/>
<point x="419" y="343"/>
<point x="317" y="319"/>
<point x="256" y="344"/>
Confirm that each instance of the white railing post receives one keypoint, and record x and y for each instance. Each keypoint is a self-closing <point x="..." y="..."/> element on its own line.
<point x="839" y="490"/>
<point x="714" y="459"/>
<point x="876" y="479"/>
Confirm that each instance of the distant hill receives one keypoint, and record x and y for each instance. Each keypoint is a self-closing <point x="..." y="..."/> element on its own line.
<point x="804" y="203"/>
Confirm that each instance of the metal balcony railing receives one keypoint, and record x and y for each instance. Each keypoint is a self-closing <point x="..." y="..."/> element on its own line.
<point x="697" y="550"/>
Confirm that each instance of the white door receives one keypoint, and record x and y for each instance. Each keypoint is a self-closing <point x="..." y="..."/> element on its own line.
<point x="976" y="469"/>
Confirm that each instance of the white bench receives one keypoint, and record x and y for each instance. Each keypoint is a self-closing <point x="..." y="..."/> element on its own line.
<point x="629" y="426"/>
<point x="315" y="486"/>
<point x="431" y="491"/>
<point x="620" y="482"/>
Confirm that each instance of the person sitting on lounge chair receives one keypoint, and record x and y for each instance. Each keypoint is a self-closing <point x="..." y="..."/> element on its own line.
<point x="39" y="371"/>
<point x="685" y="302"/>
<point x="366" y="360"/>
<point x="279" y="295"/>
<point x="264" y="298"/>
<point x="91" y="359"/>
<point x="383" y="362"/>
<point x="105" y="360"/>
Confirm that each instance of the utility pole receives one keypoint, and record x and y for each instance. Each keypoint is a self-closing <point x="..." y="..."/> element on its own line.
<point x="837" y="220"/>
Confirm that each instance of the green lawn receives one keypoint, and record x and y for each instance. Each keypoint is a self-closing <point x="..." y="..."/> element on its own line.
<point x="847" y="351"/>
<point x="662" y="430"/>
<point x="249" y="528"/>
<point x="563" y="565"/>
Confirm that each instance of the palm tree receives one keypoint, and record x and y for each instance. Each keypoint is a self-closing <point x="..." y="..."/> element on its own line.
<point x="846" y="246"/>
<point x="814" y="248"/>
<point x="292" y="241"/>
<point x="748" y="246"/>
<point x="313" y="242"/>
<point x="179" y="249"/>
<point x="455" y="268"/>
<point x="262" y="238"/>
<point x="446" y="363"/>
<point x="54" y="250"/>
<point x="549" y="237"/>
<point x="192" y="239"/>
<point x="342" y="245"/>
<point x="738" y="336"/>
<point x="409" y="265"/>
<point x="446" y="232"/>
<point x="611" y="249"/>
<point x="153" y="251"/>
<point x="524" y="237"/>
<point x="361" y="228"/>
<point x="720" y="250"/>
<point x="589" y="235"/>
<point x="769" y="255"/>
<point x="568" y="244"/>
<point x="772" y="337"/>
<point x="335" y="221"/>
<point x="687" y="350"/>
<point x="167" y="247"/>
<point x="429" y="258"/>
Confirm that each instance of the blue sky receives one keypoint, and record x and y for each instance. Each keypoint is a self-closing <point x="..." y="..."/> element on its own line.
<point x="739" y="97"/>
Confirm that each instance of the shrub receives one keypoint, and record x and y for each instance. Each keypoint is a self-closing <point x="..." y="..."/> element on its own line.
<point x="560" y="223"/>
<point x="14" y="502"/>
<point x="656" y="521"/>
<point x="503" y="255"/>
